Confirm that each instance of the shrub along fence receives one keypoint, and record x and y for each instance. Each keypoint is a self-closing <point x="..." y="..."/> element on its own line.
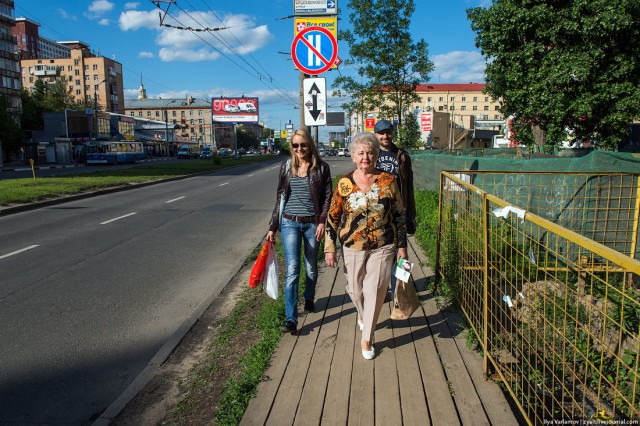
<point x="544" y="268"/>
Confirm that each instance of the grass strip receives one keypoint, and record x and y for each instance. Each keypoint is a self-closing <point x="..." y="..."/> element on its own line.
<point x="26" y="190"/>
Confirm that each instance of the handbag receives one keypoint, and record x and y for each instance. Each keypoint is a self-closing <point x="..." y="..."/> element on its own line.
<point x="283" y="197"/>
<point x="259" y="268"/>
<point x="271" y="279"/>
<point x="405" y="300"/>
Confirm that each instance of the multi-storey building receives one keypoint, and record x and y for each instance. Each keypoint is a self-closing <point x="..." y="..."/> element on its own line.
<point x="31" y="46"/>
<point x="191" y="117"/>
<point x="9" y="66"/>
<point x="83" y="74"/>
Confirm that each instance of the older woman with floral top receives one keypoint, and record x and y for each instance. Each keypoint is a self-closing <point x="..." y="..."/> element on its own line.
<point x="367" y="217"/>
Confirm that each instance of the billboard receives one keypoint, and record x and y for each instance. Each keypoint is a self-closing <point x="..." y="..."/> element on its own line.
<point x="235" y="110"/>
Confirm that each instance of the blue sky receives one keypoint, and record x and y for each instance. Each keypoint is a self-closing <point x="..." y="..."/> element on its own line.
<point x="242" y="60"/>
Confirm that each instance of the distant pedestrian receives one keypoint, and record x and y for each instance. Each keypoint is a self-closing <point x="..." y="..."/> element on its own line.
<point x="396" y="161"/>
<point x="367" y="217"/>
<point x="305" y="180"/>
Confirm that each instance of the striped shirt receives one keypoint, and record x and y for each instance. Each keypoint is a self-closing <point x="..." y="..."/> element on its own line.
<point x="299" y="202"/>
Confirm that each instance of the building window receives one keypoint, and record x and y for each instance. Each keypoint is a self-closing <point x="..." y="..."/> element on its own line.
<point x="76" y="72"/>
<point x="157" y="113"/>
<point x="86" y="78"/>
<point x="75" y="62"/>
<point x="440" y="99"/>
<point x="200" y="122"/>
<point x="173" y="114"/>
<point x="463" y="108"/>
<point x="452" y="108"/>
<point x="486" y="99"/>
<point x="475" y="107"/>
<point x="77" y="82"/>
<point x="182" y="113"/>
<point x="486" y="107"/>
<point x="77" y="92"/>
<point x="497" y="108"/>
<point x="139" y="113"/>
<point x="464" y="99"/>
<point x="95" y="67"/>
<point x="148" y="113"/>
<point x="496" y="117"/>
<point x="453" y="99"/>
<point x="132" y="114"/>
<point x="86" y="67"/>
<point x="475" y="99"/>
<point x="440" y="108"/>
<point x="191" y="112"/>
<point x="429" y="99"/>
<point x="71" y="88"/>
<point x="199" y="112"/>
<point x="95" y="77"/>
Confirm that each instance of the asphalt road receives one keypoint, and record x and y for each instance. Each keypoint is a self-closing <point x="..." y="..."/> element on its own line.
<point x="90" y="290"/>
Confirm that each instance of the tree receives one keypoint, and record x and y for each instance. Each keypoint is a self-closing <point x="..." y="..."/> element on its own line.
<point x="45" y="97"/>
<point x="409" y="133"/>
<point x="558" y="66"/>
<point x="388" y="59"/>
<point x="11" y="135"/>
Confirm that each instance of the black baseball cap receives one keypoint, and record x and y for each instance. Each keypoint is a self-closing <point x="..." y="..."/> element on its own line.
<point x="382" y="125"/>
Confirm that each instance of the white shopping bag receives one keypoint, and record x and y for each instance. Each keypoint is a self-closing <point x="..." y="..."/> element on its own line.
<point x="271" y="277"/>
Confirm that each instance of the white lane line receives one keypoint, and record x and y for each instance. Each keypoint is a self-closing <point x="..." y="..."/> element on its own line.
<point x="251" y="175"/>
<point x="18" y="251"/>
<point x="117" y="218"/>
<point x="223" y="184"/>
<point x="176" y="199"/>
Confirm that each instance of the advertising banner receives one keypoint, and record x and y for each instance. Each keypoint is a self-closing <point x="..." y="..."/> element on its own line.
<point x="369" y="124"/>
<point x="235" y="110"/>
<point x="425" y="121"/>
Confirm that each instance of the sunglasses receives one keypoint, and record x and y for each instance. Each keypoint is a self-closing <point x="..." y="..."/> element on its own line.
<point x="299" y="145"/>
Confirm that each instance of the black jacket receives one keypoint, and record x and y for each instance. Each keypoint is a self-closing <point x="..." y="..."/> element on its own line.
<point x="405" y="183"/>
<point x="319" y="186"/>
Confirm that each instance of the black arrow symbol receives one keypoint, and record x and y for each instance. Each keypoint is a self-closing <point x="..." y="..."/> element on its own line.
<point x="315" y="112"/>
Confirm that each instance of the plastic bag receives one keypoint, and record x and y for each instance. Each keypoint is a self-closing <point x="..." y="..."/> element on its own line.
<point x="271" y="279"/>
<point x="259" y="269"/>
<point x="405" y="300"/>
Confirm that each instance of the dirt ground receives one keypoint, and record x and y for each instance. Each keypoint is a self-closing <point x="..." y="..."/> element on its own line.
<point x="156" y="403"/>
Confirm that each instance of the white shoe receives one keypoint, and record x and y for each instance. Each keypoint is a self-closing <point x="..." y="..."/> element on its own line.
<point x="369" y="354"/>
<point x="360" y="325"/>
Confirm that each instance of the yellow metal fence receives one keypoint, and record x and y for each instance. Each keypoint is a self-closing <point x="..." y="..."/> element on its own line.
<point x="557" y="312"/>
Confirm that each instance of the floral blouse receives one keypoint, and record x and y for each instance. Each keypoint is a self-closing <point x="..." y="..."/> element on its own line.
<point x="366" y="221"/>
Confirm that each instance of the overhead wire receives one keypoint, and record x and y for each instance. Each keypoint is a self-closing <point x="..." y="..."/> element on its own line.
<point x="269" y="83"/>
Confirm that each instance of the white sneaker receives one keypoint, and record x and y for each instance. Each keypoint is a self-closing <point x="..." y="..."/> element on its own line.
<point x="360" y="325"/>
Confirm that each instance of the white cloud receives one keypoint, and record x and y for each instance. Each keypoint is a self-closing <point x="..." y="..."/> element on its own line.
<point x="100" y="6"/>
<point x="65" y="15"/>
<point x="458" y="67"/>
<point x="131" y="5"/>
<point x="183" y="45"/>
<point x="145" y="55"/>
<point x="134" y="20"/>
<point x="103" y="21"/>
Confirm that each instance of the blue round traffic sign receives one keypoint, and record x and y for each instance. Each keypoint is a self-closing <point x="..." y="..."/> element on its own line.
<point x="314" y="50"/>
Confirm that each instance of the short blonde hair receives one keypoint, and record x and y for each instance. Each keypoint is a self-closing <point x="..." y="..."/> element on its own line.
<point x="365" y="138"/>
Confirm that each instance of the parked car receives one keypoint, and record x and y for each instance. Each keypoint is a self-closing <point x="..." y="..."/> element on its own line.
<point x="330" y="152"/>
<point x="225" y="153"/>
<point x="206" y="153"/>
<point x="322" y="151"/>
<point x="343" y="152"/>
<point x="187" y="151"/>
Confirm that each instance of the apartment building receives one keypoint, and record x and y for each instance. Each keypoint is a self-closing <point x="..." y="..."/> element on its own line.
<point x="191" y="117"/>
<point x="94" y="80"/>
<point x="31" y="46"/>
<point x="9" y="65"/>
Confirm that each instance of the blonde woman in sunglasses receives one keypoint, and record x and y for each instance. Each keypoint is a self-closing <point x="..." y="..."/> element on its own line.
<point x="305" y="183"/>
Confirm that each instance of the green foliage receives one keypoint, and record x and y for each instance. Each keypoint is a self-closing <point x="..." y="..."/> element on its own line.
<point x="561" y="65"/>
<point x="11" y="135"/>
<point x="388" y="60"/>
<point x="246" y="138"/>
<point x="409" y="133"/>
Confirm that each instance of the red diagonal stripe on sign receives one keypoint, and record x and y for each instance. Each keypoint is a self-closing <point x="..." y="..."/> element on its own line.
<point x="313" y="49"/>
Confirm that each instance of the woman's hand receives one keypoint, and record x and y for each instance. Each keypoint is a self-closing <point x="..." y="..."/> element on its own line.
<point x="320" y="231"/>
<point x="402" y="253"/>
<point x="331" y="259"/>
<point x="271" y="236"/>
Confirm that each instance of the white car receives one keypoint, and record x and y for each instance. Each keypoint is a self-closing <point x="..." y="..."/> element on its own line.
<point x="343" y="152"/>
<point x="231" y="108"/>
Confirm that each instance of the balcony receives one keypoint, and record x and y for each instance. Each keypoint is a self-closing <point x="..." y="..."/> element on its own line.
<point x="45" y="70"/>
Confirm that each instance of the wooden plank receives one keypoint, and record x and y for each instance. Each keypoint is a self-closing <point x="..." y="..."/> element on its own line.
<point x="412" y="394"/>
<point x="289" y="393"/>
<point x="315" y="387"/>
<point x="387" y="394"/>
<point x="495" y="402"/>
<point x="361" y="398"/>
<point x="336" y="404"/>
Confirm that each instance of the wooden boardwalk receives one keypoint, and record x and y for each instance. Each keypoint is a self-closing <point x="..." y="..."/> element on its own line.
<point x="423" y="373"/>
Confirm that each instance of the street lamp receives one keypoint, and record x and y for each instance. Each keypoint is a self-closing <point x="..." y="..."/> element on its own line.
<point x="166" y="127"/>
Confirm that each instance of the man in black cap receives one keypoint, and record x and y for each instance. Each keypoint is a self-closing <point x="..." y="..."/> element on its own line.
<point x="396" y="161"/>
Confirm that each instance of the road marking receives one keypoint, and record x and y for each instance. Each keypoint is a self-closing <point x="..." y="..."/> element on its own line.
<point x="176" y="199"/>
<point x="223" y="184"/>
<point x="251" y="175"/>
<point x="18" y="251"/>
<point x="117" y="218"/>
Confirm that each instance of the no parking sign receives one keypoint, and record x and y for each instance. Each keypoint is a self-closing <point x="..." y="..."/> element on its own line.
<point x="314" y="50"/>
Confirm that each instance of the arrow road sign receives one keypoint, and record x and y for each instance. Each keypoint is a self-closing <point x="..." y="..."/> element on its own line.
<point x="314" y="50"/>
<point x="315" y="101"/>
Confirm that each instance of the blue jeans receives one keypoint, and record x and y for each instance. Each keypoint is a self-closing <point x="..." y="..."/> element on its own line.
<point x="293" y="235"/>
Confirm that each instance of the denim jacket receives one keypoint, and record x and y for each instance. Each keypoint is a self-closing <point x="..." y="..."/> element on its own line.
<point x="319" y="186"/>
